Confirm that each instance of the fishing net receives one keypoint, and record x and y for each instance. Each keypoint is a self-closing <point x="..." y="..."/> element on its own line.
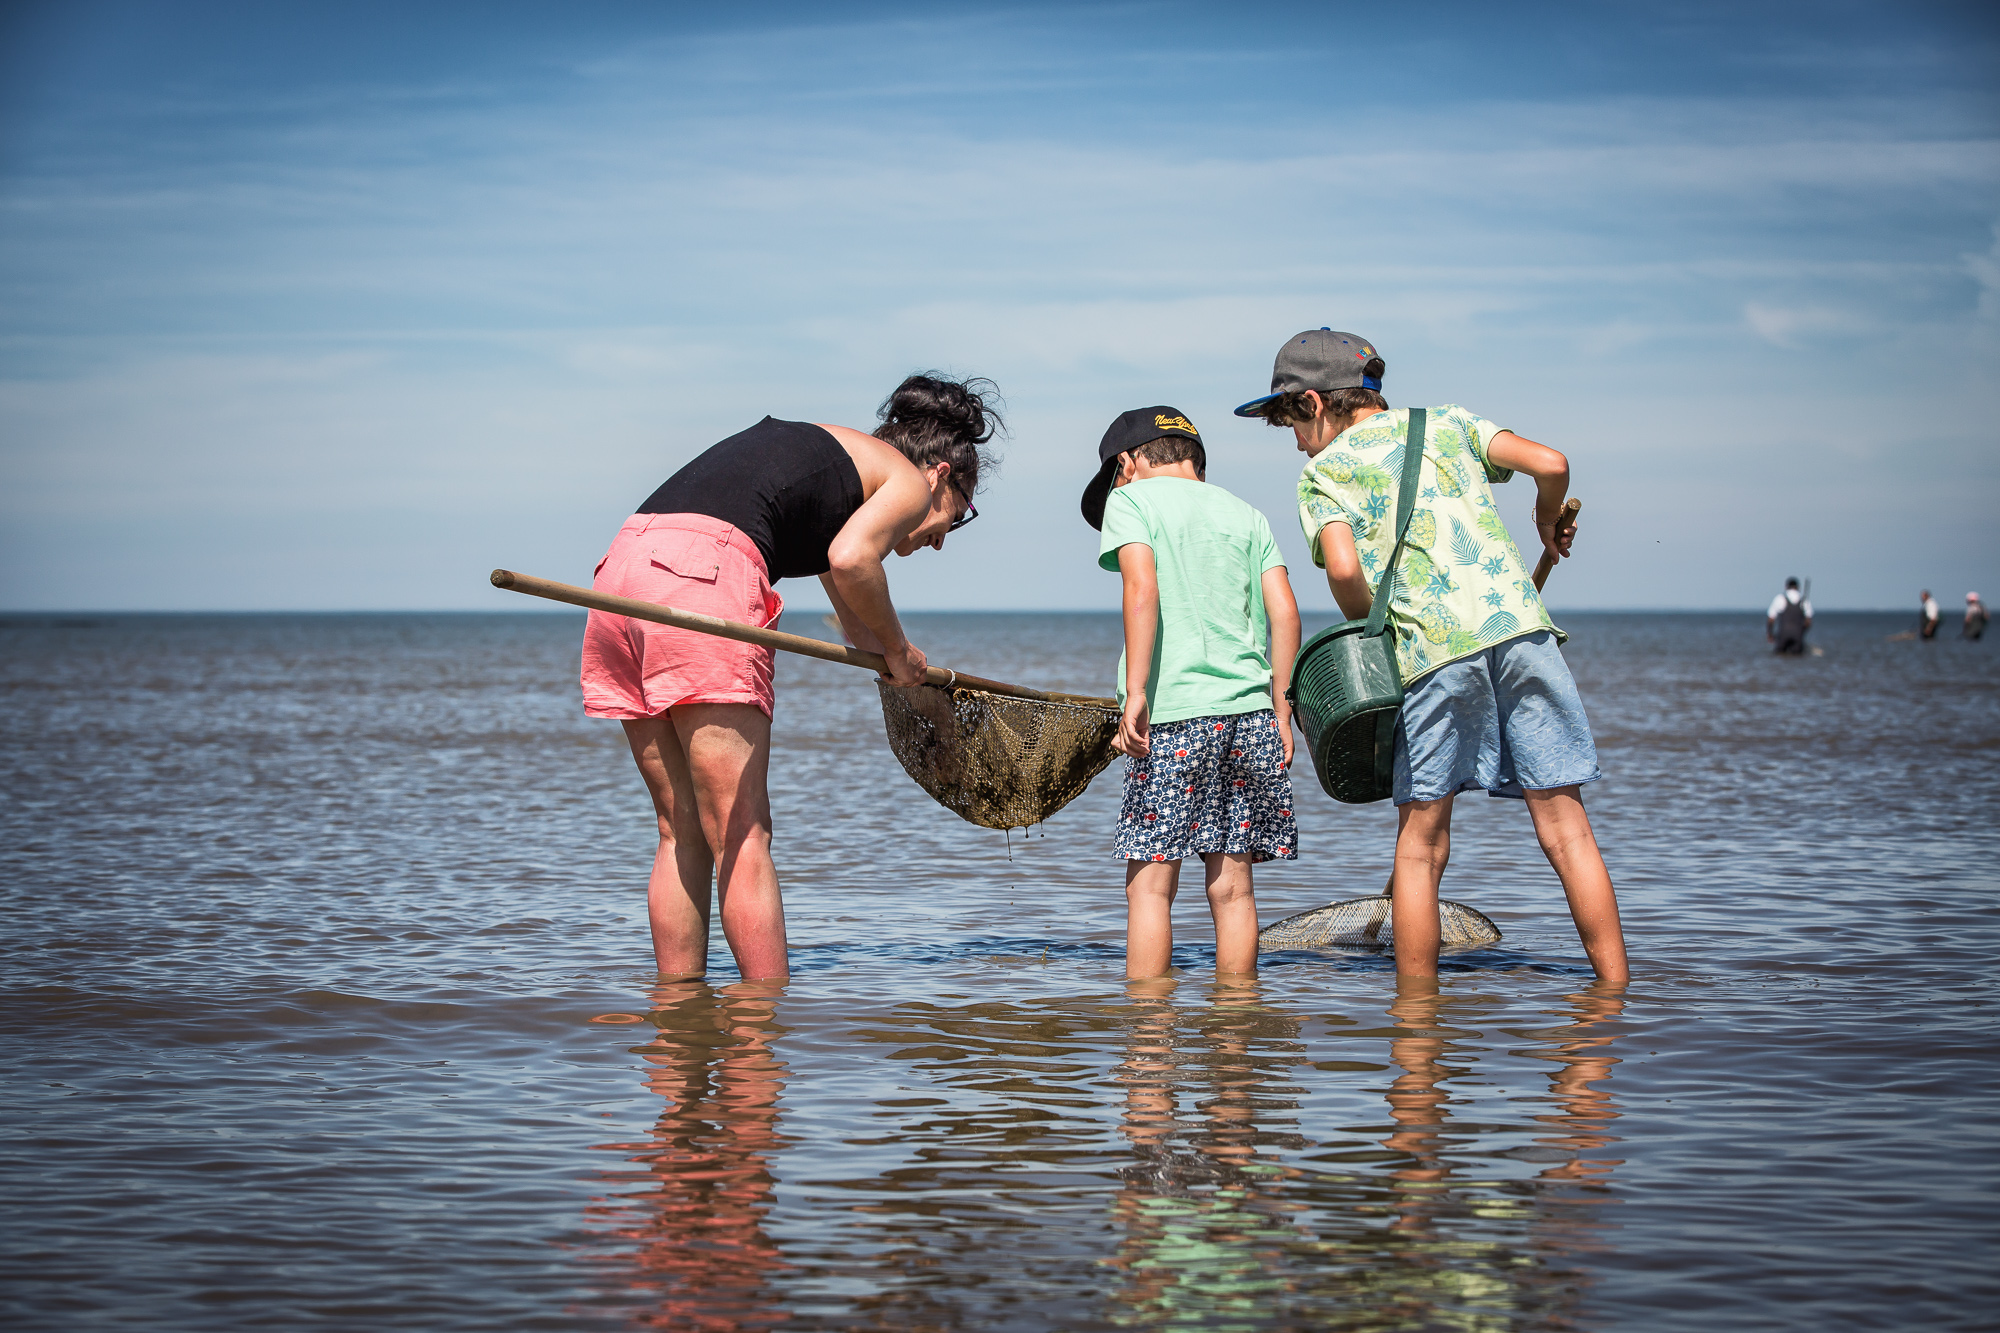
<point x="996" y="761"/>
<point x="1363" y="923"/>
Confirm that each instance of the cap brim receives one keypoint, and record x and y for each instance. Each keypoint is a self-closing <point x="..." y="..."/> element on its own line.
<point x="1095" y="494"/>
<point x="1255" y="407"/>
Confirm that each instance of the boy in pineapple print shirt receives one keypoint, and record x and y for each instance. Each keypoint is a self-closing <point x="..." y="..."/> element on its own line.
<point x="1207" y="738"/>
<point x="1488" y="701"/>
<point x="1467" y="584"/>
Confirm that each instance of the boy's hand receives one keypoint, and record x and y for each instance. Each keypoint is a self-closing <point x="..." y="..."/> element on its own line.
<point x="1134" y="727"/>
<point x="1557" y="533"/>
<point x="1283" y="708"/>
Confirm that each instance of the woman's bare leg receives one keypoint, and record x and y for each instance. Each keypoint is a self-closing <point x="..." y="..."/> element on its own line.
<point x="1563" y="829"/>
<point x="728" y="749"/>
<point x="1150" y="887"/>
<point x="1423" y="846"/>
<point x="677" y="895"/>
<point x="1234" y="907"/>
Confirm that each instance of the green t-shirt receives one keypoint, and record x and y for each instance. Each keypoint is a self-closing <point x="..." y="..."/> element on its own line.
<point x="1461" y="586"/>
<point x="1211" y="550"/>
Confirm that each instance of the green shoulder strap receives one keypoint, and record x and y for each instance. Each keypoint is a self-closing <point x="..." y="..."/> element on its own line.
<point x="1406" y="504"/>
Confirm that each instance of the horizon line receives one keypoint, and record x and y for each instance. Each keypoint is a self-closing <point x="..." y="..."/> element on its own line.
<point x="7" y="615"/>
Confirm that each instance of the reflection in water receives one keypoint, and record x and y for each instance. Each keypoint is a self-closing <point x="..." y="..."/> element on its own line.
<point x="697" y="1254"/>
<point x="1216" y="1235"/>
<point x="1202" y="1225"/>
<point x="1577" y="1182"/>
<point x="1172" y="1158"/>
<point x="1439" y="1269"/>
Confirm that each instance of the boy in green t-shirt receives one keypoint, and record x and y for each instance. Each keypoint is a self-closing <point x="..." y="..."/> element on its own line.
<point x="1206" y="735"/>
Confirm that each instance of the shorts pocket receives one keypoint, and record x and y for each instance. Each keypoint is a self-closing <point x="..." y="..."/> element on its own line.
<point x="692" y="555"/>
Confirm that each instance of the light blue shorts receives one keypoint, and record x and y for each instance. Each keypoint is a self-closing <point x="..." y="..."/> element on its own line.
<point x="1506" y="719"/>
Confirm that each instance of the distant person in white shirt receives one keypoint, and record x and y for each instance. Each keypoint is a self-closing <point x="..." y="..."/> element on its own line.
<point x="1931" y="616"/>
<point x="1975" y="618"/>
<point x="1786" y="623"/>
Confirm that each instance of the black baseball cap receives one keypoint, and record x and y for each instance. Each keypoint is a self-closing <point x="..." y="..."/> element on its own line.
<point x="1142" y="425"/>
<point x="1321" y="359"/>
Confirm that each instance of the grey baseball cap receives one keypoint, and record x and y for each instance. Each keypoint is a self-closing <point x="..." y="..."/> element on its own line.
<point x="1321" y="359"/>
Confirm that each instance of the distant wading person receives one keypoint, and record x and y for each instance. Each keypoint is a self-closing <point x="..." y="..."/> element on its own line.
<point x="1787" y="620"/>
<point x="783" y="499"/>
<point x="1928" y="627"/>
<point x="1975" y="618"/>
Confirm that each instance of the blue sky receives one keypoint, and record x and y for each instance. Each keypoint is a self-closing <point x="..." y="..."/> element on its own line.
<point x="319" y="306"/>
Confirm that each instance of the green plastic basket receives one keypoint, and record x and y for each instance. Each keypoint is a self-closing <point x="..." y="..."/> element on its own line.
<point x="1347" y="693"/>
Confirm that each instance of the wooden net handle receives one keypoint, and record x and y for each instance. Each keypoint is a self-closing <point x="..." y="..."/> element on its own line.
<point x="768" y="638"/>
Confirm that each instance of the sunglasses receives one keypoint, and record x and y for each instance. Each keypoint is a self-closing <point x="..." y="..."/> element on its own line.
<point x="971" y="512"/>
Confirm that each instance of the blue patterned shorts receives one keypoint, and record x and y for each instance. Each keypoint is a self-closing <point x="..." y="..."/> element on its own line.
<point x="1211" y="784"/>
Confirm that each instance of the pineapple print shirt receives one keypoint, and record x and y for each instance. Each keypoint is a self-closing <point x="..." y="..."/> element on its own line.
<point x="1461" y="586"/>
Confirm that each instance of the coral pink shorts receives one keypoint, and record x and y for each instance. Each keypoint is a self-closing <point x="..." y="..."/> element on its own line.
<point x="691" y="562"/>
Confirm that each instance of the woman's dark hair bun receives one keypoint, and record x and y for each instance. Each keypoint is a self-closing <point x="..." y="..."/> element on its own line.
<point x="934" y="418"/>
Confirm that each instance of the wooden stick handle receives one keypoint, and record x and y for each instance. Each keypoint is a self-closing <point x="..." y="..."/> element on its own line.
<point x="1548" y="560"/>
<point x="768" y="638"/>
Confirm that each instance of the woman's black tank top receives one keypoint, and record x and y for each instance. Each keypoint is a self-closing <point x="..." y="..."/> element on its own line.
<point x="787" y="485"/>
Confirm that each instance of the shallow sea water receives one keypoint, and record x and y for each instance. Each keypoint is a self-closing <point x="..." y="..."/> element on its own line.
<point x="327" y="1003"/>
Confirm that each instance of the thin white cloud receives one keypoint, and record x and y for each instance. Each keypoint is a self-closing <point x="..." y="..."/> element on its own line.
<point x="1783" y="326"/>
<point x="1985" y="270"/>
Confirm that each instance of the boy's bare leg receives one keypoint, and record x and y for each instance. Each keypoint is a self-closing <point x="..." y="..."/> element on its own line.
<point x="1234" y="905"/>
<point x="1563" y="829"/>
<point x="1150" y="887"/>
<point x="1423" y="846"/>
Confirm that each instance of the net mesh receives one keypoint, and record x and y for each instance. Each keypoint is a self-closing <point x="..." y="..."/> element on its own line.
<point x="996" y="761"/>
<point x="1364" y="923"/>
